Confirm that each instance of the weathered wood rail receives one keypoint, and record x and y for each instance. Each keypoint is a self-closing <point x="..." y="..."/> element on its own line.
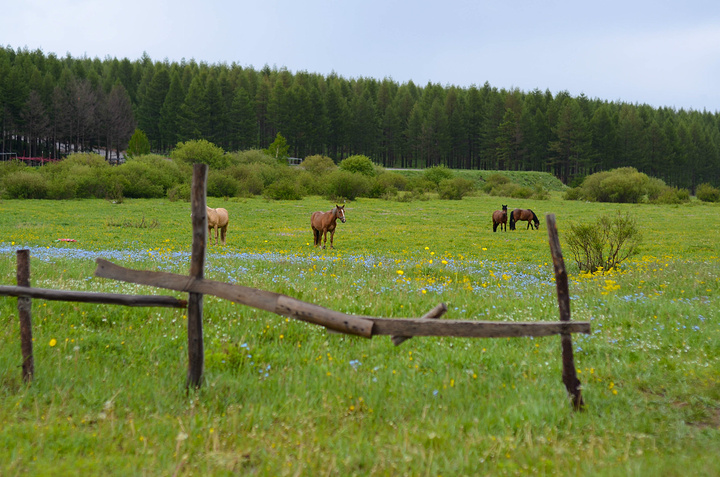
<point x="400" y="329"/>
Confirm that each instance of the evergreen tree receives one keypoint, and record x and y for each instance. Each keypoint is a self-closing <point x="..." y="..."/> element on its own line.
<point x="171" y="112"/>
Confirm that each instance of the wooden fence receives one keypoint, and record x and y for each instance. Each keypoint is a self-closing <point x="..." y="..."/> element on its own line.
<point x="400" y="329"/>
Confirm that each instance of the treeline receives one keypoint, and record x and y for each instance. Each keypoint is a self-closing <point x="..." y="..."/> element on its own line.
<point x="53" y="105"/>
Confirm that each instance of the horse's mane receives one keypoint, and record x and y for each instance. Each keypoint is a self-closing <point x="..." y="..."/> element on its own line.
<point x="535" y="217"/>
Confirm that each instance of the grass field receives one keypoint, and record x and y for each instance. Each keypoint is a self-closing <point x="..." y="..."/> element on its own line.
<point x="283" y="397"/>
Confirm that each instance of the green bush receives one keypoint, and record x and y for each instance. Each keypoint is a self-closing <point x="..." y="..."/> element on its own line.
<point x="707" y="193"/>
<point x="200" y="151"/>
<point x="250" y="156"/>
<point x="623" y="185"/>
<point x="179" y="192"/>
<point x="671" y="195"/>
<point x="220" y="184"/>
<point x="24" y="184"/>
<point x="455" y="189"/>
<point x="284" y="189"/>
<point x="605" y="243"/>
<point x="318" y="165"/>
<point x="495" y="181"/>
<point x="346" y="185"/>
<point x="540" y="192"/>
<point x="522" y="192"/>
<point x="10" y="167"/>
<point x="420" y="185"/>
<point x="358" y="164"/>
<point x="437" y="174"/>
<point x="138" y="144"/>
<point x="249" y="178"/>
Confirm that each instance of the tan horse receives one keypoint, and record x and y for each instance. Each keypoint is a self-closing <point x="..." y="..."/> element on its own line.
<point x="217" y="219"/>
<point x="500" y="218"/>
<point x="324" y="222"/>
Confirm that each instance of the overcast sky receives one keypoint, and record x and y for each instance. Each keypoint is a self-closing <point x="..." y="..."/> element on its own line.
<point x="659" y="52"/>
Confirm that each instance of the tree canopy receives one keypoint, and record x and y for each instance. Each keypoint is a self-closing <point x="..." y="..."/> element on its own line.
<point x="51" y="106"/>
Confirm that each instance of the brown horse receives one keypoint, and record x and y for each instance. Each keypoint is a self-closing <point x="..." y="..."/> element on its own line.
<point x="524" y="214"/>
<point x="217" y="219"/>
<point x="500" y="218"/>
<point x="324" y="222"/>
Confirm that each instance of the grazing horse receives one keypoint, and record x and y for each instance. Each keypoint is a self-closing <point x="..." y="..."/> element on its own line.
<point x="217" y="219"/>
<point x="500" y="218"/>
<point x="324" y="222"/>
<point x="524" y="214"/>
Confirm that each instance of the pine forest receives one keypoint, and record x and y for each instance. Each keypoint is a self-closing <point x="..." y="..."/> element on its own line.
<point x="52" y="105"/>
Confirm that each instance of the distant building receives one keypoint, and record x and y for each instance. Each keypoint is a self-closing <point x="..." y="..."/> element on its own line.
<point x="294" y="161"/>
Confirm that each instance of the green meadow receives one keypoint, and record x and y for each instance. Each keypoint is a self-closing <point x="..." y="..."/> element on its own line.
<point x="283" y="397"/>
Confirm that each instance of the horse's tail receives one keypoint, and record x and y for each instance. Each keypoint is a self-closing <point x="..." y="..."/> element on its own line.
<point x="495" y="224"/>
<point x="512" y="220"/>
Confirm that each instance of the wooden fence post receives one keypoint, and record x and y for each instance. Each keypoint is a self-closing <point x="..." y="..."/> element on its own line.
<point x="569" y="375"/>
<point x="24" y="305"/>
<point x="196" y="354"/>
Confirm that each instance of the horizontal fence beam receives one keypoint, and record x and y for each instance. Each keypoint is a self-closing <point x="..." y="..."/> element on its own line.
<point x="473" y="329"/>
<point x="93" y="297"/>
<point x="352" y="324"/>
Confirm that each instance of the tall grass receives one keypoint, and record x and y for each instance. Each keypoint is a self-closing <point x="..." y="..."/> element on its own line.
<point x="283" y="397"/>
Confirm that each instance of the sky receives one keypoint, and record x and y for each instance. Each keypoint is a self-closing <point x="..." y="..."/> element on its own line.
<point x="657" y="52"/>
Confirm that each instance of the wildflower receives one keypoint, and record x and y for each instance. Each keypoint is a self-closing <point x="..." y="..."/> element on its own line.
<point x="53" y="342"/>
<point x="400" y="272"/>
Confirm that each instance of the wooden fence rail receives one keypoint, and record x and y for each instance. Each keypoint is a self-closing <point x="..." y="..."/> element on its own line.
<point x="400" y="329"/>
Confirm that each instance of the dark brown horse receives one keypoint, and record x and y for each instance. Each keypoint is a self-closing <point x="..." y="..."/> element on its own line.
<point x="324" y="222"/>
<point x="500" y="218"/>
<point x="524" y="214"/>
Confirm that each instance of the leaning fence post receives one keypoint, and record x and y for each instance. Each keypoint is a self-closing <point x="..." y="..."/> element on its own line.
<point x="569" y="376"/>
<point x="197" y="265"/>
<point x="24" y="305"/>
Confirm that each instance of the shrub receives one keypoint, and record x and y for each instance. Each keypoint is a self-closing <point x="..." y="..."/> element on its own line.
<point x="284" y="189"/>
<point x="437" y="174"/>
<point x="455" y="189"/>
<point x="139" y="144"/>
<point x="521" y="192"/>
<point x="249" y="179"/>
<point x="24" y="184"/>
<point x="250" y="156"/>
<point x="420" y="185"/>
<point x="201" y="151"/>
<point x="346" y="185"/>
<point x="179" y="192"/>
<point x="540" y="192"/>
<point x="278" y="150"/>
<point x="576" y="193"/>
<point x="605" y="243"/>
<point x="707" y="193"/>
<point x="318" y="165"/>
<point x="671" y="195"/>
<point x="494" y="181"/>
<point x="358" y="164"/>
<point x="625" y="185"/>
<point x="220" y="184"/>
<point x="147" y="176"/>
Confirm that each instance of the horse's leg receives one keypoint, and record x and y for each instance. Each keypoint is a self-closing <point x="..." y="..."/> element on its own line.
<point x="332" y="235"/>
<point x="324" y="232"/>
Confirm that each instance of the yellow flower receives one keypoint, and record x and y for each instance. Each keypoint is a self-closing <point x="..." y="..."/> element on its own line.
<point x="400" y="272"/>
<point x="53" y="342"/>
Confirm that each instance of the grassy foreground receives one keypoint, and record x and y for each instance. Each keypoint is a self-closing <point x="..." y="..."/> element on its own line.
<point x="286" y="398"/>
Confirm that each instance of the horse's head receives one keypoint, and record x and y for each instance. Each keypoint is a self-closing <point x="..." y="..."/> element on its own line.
<point x="340" y="213"/>
<point x="504" y="208"/>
